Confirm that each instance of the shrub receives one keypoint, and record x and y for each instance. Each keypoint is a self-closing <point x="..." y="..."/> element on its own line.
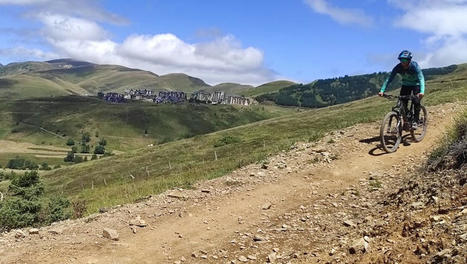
<point x="22" y="208"/>
<point x="103" y="142"/>
<point x="100" y="149"/>
<point x="59" y="209"/>
<point x="226" y="141"/>
<point x="70" y="157"/>
<point x="79" y="208"/>
<point x="21" y="164"/>
<point x="70" y="142"/>
<point x="45" y="166"/>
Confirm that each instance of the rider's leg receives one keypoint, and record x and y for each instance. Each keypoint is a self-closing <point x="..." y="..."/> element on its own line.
<point x="416" y="103"/>
<point x="405" y="90"/>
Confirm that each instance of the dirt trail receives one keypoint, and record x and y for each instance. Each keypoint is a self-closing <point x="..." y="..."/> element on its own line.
<point x="211" y="223"/>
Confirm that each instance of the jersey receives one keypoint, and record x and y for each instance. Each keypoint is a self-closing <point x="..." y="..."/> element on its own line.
<point x="412" y="76"/>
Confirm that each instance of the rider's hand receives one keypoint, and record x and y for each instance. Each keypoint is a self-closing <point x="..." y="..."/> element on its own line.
<point x="380" y="93"/>
<point x="420" y="96"/>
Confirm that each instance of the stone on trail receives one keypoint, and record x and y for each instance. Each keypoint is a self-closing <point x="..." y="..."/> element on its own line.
<point x="359" y="246"/>
<point x="138" y="222"/>
<point x="33" y="231"/>
<point x="110" y="234"/>
<point x="243" y="259"/>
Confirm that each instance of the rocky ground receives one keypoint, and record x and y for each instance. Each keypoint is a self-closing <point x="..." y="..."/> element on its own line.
<point x="340" y="200"/>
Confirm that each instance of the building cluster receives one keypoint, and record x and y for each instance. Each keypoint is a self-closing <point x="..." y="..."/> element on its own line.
<point x="170" y="98"/>
<point x="218" y="97"/>
<point x="174" y="97"/>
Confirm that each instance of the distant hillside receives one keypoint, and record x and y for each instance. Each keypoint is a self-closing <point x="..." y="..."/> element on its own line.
<point x="66" y="77"/>
<point x="270" y="87"/>
<point x="229" y="88"/>
<point x="138" y="123"/>
<point x="340" y="90"/>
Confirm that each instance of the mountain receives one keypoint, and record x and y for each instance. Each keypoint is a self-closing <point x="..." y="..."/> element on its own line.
<point x="68" y="77"/>
<point x="326" y="92"/>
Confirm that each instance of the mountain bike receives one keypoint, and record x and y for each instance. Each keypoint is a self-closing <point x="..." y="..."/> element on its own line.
<point x="401" y="119"/>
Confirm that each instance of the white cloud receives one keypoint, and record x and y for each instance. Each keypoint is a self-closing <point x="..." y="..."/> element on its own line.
<point x="341" y="15"/>
<point x="83" y="8"/>
<point x="220" y="60"/>
<point x="444" y="22"/>
<point x="77" y="34"/>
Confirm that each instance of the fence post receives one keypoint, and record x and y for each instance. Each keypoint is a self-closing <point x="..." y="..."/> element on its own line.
<point x="215" y="155"/>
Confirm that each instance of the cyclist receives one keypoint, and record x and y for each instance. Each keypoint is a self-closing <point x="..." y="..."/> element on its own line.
<point x="413" y="82"/>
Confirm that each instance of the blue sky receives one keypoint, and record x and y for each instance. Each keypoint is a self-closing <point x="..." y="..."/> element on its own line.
<point x="250" y="42"/>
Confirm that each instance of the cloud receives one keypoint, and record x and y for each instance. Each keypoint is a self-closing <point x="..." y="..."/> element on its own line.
<point x="341" y="15"/>
<point x="219" y="59"/>
<point x="444" y="22"/>
<point x="84" y="8"/>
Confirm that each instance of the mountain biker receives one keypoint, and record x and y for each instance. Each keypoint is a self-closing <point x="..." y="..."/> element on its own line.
<point x="413" y="81"/>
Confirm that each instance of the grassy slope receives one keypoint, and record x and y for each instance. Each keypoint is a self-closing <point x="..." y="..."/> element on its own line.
<point x="193" y="159"/>
<point x="43" y="79"/>
<point x="230" y="88"/>
<point x="267" y="88"/>
<point x="70" y="115"/>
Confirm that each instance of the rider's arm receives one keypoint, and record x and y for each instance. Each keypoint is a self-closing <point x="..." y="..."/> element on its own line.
<point x="421" y="79"/>
<point x="388" y="79"/>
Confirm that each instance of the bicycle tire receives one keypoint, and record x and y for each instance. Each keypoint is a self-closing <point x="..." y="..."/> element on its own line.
<point x="390" y="141"/>
<point x="419" y="133"/>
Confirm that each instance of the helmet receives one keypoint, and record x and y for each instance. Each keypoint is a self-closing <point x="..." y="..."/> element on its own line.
<point x="405" y="54"/>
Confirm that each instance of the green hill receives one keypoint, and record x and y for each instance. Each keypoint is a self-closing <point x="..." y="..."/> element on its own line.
<point x="181" y="163"/>
<point x="229" y="88"/>
<point x="68" y="77"/>
<point x="270" y="87"/>
<point x="339" y="90"/>
<point x="139" y="124"/>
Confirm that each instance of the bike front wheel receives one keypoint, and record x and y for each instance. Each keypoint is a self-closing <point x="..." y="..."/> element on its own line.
<point x="391" y="132"/>
<point x="419" y="133"/>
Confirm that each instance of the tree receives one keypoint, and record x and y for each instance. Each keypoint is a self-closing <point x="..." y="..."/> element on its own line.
<point x="70" y="157"/>
<point x="70" y="142"/>
<point x="23" y="207"/>
<point x="86" y="137"/>
<point x="103" y="142"/>
<point x="100" y="149"/>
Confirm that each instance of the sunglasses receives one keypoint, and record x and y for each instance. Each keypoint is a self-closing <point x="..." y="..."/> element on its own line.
<point x="404" y="60"/>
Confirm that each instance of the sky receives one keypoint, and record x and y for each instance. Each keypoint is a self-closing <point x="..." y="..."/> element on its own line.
<point x="242" y="41"/>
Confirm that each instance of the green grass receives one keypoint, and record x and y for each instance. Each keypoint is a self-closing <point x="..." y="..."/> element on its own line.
<point x="182" y="163"/>
<point x="124" y="125"/>
<point x="267" y="88"/>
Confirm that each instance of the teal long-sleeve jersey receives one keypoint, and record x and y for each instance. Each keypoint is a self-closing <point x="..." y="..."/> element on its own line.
<point x="412" y="76"/>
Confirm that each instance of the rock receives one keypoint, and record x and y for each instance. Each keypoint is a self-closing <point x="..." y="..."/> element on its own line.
<point x="258" y="238"/>
<point x="110" y="234"/>
<point x="243" y="259"/>
<point x="266" y="206"/>
<point x="56" y="231"/>
<point x="20" y="234"/>
<point x="349" y="223"/>
<point x="359" y="246"/>
<point x="205" y="191"/>
<point x="272" y="257"/>
<point x="138" y="222"/>
<point x="251" y="257"/>
<point x="33" y="231"/>
<point x="417" y="205"/>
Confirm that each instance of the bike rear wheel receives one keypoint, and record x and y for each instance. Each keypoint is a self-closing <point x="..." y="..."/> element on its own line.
<point x="419" y="133"/>
<point x="390" y="132"/>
